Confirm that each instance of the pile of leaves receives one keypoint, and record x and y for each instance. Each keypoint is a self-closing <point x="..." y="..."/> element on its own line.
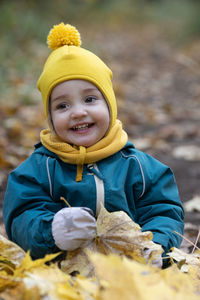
<point x="112" y="266"/>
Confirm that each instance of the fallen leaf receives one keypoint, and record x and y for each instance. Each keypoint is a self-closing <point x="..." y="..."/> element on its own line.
<point x="7" y="281"/>
<point x="51" y="282"/>
<point x="28" y="265"/>
<point x="116" y="233"/>
<point x="10" y="252"/>
<point x="122" y="278"/>
<point x="185" y="260"/>
<point x="187" y="152"/>
<point x="21" y="292"/>
<point x="193" y="204"/>
<point x="115" y="278"/>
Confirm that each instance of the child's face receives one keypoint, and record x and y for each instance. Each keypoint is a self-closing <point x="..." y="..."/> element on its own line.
<point x="79" y="112"/>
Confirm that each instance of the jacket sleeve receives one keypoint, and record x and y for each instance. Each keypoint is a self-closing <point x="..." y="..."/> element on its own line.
<point x="160" y="209"/>
<point x="28" y="208"/>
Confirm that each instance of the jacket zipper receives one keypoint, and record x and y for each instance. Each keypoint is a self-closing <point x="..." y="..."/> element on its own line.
<point x="100" y="196"/>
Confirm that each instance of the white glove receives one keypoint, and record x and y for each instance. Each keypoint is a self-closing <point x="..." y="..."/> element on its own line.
<point x="157" y="262"/>
<point x="73" y="227"/>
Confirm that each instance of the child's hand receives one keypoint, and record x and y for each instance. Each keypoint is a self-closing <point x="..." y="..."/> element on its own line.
<point x="73" y="227"/>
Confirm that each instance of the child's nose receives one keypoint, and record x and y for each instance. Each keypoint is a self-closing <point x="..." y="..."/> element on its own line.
<point x="78" y="111"/>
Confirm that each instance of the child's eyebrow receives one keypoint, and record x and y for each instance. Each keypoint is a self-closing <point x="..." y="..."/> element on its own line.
<point x="64" y="96"/>
<point x="90" y="90"/>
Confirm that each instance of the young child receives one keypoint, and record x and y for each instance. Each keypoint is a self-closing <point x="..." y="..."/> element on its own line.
<point x="86" y="158"/>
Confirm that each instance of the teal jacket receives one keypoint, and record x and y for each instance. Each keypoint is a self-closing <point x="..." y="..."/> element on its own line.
<point x="129" y="180"/>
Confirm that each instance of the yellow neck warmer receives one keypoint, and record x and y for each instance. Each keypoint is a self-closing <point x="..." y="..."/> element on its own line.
<point x="114" y="141"/>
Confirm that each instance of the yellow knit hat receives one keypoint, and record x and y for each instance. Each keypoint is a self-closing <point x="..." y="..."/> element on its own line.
<point x="69" y="61"/>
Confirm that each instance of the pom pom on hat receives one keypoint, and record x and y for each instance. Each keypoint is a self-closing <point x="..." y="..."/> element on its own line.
<point x="63" y="34"/>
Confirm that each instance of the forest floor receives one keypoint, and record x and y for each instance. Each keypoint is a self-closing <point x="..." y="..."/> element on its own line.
<point x="157" y="84"/>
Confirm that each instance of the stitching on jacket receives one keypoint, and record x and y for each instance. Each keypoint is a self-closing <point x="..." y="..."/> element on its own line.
<point x="49" y="177"/>
<point x="141" y="170"/>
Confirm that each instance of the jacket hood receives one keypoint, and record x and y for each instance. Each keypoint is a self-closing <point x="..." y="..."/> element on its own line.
<point x="39" y="148"/>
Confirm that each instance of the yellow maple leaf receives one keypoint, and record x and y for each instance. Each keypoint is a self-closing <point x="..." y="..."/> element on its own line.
<point x="122" y="278"/>
<point x="88" y="287"/>
<point x="65" y="291"/>
<point x="27" y="264"/>
<point x="51" y="282"/>
<point x="21" y="292"/>
<point x="185" y="260"/>
<point x="7" y="281"/>
<point x="116" y="233"/>
<point x="11" y="252"/>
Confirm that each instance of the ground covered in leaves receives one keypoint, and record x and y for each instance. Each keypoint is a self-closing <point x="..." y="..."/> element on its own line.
<point x="110" y="266"/>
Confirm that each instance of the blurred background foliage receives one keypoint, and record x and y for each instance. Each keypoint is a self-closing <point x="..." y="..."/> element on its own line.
<point x="21" y="18"/>
<point x="24" y="25"/>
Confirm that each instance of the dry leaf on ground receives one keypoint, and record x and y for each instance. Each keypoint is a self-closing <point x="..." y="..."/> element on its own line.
<point x="193" y="205"/>
<point x="187" y="152"/>
<point x="10" y="252"/>
<point x="116" y="276"/>
<point x="116" y="233"/>
<point x="128" y="279"/>
<point x="185" y="260"/>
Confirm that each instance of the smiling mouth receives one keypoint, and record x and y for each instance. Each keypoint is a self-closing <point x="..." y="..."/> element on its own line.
<point x="82" y="127"/>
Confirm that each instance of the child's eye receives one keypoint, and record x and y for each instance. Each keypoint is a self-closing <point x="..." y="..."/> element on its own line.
<point x="62" y="106"/>
<point x="90" y="99"/>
